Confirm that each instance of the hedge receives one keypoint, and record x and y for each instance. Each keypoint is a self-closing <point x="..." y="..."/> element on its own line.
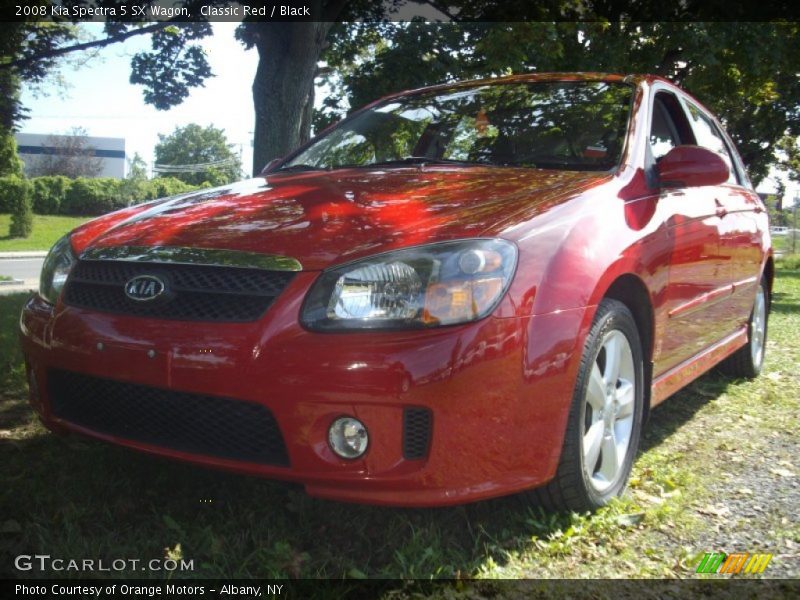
<point x="49" y="193"/>
<point x="54" y="195"/>
<point x="17" y="194"/>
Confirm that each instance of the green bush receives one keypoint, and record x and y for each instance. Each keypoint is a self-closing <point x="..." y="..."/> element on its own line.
<point x="11" y="187"/>
<point x="101" y="195"/>
<point x="49" y="193"/>
<point x="18" y="192"/>
<point x="93" y="196"/>
<point x="161" y="187"/>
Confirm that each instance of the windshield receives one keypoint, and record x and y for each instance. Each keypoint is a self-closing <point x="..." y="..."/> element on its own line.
<point x="550" y="125"/>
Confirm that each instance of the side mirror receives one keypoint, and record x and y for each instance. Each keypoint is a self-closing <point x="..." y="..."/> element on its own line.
<point x="691" y="166"/>
<point x="270" y="165"/>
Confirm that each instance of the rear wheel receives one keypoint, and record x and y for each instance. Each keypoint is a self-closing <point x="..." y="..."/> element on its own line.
<point x="605" y="417"/>
<point x="747" y="361"/>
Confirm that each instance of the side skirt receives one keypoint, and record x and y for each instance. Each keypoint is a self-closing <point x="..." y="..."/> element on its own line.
<point x="681" y="375"/>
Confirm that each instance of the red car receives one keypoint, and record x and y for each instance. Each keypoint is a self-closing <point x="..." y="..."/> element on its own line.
<point x="456" y="293"/>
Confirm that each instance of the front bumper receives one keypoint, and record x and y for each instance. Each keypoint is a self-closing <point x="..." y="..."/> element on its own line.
<point x="498" y="391"/>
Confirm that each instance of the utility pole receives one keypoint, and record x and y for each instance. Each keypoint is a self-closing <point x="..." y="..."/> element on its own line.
<point x="794" y="224"/>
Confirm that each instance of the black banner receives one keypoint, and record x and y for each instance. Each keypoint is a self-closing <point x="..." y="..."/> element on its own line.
<point x="149" y="11"/>
<point x="715" y="588"/>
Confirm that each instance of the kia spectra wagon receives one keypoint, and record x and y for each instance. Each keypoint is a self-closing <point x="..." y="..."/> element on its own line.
<point x="456" y="293"/>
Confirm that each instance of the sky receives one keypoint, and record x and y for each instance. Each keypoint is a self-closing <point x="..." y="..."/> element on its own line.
<point x="100" y="99"/>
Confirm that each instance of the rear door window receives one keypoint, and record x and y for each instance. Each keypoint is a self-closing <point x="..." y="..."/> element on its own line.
<point x="708" y="136"/>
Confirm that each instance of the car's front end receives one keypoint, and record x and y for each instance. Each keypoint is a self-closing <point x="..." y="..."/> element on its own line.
<point x="364" y="330"/>
<point x="225" y="373"/>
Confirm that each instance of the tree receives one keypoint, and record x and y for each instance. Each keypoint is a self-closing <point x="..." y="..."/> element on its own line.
<point x="70" y="155"/>
<point x="10" y="164"/>
<point x="743" y="72"/>
<point x="137" y="168"/>
<point x="197" y="155"/>
<point x="284" y="81"/>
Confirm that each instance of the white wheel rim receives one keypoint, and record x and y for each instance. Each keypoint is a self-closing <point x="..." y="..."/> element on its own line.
<point x="758" y="327"/>
<point x="608" y="411"/>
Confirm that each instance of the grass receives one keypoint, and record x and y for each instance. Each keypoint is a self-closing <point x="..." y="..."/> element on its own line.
<point x="46" y="230"/>
<point x="75" y="498"/>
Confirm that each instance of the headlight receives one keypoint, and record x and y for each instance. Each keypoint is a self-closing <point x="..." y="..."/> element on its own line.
<point x="55" y="270"/>
<point x="426" y="286"/>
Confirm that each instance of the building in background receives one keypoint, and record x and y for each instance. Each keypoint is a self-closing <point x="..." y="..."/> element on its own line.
<point x="108" y="152"/>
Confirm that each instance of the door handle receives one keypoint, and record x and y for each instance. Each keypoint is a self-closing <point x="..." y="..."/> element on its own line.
<point x="721" y="210"/>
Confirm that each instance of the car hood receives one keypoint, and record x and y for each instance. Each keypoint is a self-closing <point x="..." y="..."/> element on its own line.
<point x="323" y="218"/>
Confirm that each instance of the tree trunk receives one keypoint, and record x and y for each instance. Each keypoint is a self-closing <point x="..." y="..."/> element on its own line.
<point x="284" y="82"/>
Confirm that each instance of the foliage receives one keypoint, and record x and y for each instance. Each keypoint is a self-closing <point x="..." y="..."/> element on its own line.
<point x="742" y="71"/>
<point x="92" y="197"/>
<point x="49" y="193"/>
<point x="197" y="155"/>
<point x="161" y="187"/>
<point x="137" y="168"/>
<point x="9" y="187"/>
<point x="10" y="163"/>
<point x="70" y="155"/>
<point x="17" y="194"/>
<point x="101" y="195"/>
<point x="789" y="148"/>
<point x="33" y="43"/>
<point x="174" y="65"/>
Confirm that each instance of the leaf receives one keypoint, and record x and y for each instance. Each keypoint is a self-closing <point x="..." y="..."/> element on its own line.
<point x="356" y="574"/>
<point x="172" y="524"/>
<point x="716" y="511"/>
<point x="175" y="553"/>
<point x="630" y="519"/>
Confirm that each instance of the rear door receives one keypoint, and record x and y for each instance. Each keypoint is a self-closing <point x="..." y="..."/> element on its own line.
<point x="740" y="209"/>
<point x="698" y="288"/>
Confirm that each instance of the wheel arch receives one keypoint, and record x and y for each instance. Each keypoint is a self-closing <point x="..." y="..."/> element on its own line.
<point x="769" y="274"/>
<point x="633" y="293"/>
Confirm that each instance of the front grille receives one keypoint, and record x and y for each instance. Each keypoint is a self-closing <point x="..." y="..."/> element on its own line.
<point x="195" y="292"/>
<point x="194" y="423"/>
<point x="416" y="433"/>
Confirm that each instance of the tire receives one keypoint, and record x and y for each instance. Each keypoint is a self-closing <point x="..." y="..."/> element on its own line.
<point x="748" y="360"/>
<point x="605" y="418"/>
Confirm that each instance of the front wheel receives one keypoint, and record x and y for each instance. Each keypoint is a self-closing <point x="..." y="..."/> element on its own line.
<point x="605" y="417"/>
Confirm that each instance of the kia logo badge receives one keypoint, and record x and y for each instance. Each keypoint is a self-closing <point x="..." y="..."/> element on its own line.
<point x="144" y="288"/>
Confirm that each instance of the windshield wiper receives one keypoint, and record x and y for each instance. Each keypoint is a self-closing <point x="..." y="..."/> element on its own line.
<point x="300" y="167"/>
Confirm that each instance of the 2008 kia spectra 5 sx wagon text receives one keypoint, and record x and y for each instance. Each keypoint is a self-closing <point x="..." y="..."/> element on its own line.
<point x="455" y="293"/>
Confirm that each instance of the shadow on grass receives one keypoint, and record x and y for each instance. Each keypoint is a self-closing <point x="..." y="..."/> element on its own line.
<point x="77" y="497"/>
<point x="782" y="304"/>
<point x="677" y="410"/>
<point x="11" y="370"/>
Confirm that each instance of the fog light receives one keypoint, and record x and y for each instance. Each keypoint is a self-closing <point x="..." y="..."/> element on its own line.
<point x="348" y="437"/>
